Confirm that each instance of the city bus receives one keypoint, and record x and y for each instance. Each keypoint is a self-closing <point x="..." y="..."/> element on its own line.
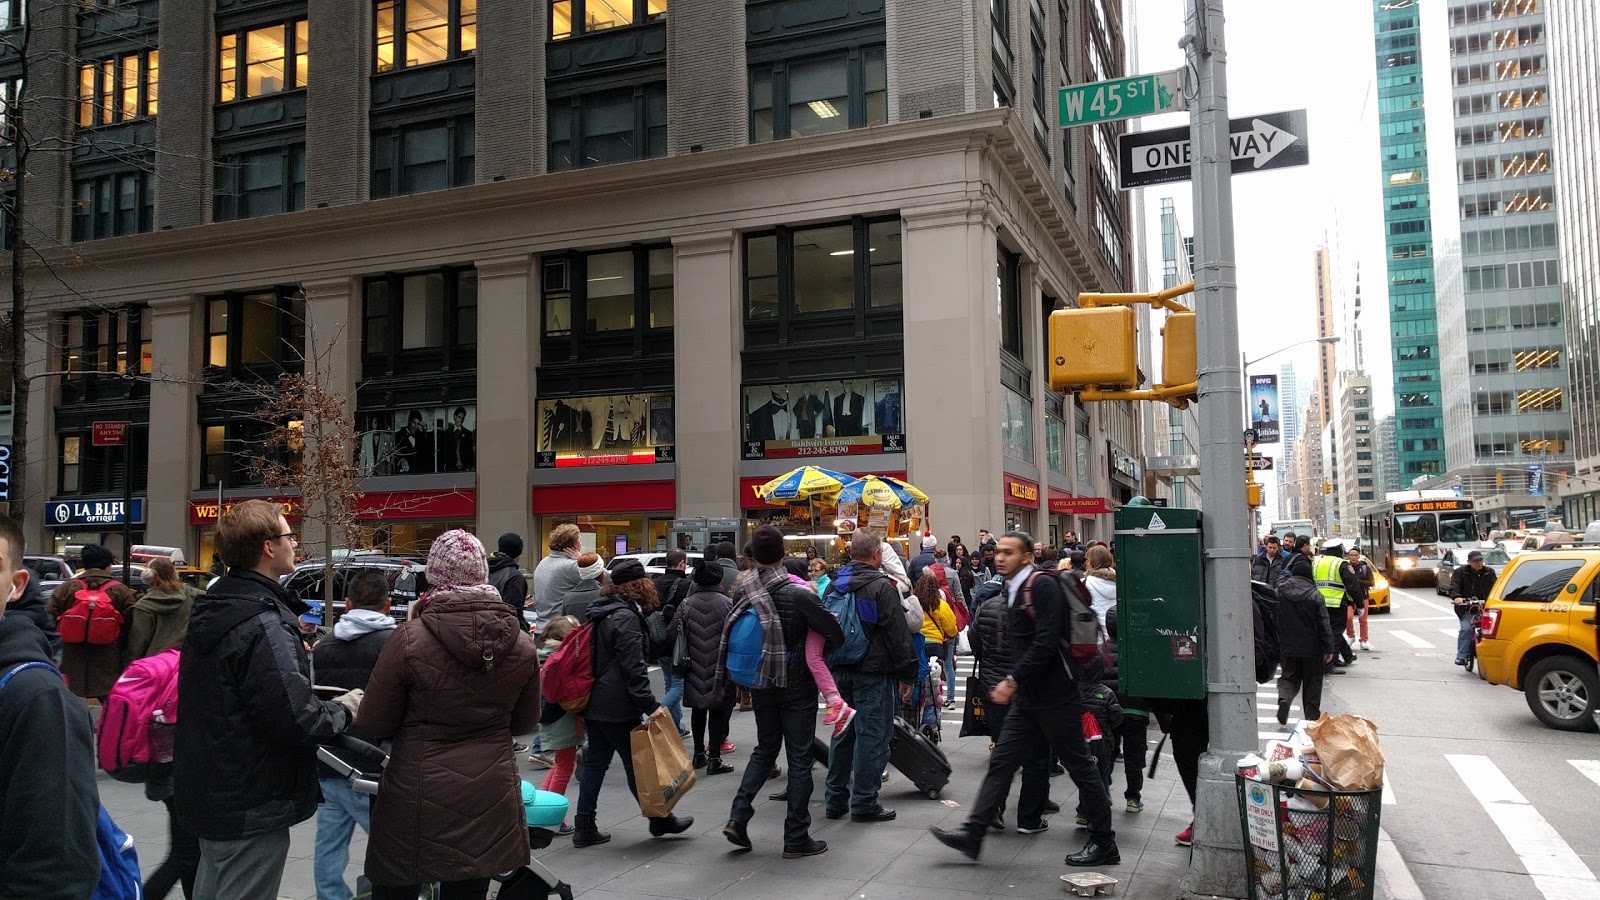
<point x="1409" y="531"/>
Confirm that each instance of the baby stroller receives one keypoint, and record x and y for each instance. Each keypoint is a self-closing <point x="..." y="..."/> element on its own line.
<point x="362" y="764"/>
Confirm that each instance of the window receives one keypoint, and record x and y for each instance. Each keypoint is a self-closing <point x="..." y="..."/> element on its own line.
<point x="104" y="341"/>
<point x="822" y="270"/>
<point x="605" y="127"/>
<point x="1055" y="435"/>
<point x="12" y="14"/>
<point x="427" y="156"/>
<point x="87" y="469"/>
<point x="262" y="61"/>
<point x="260" y="183"/>
<point x="119" y="89"/>
<point x="1008" y="301"/>
<point x="256" y="330"/>
<point x="1081" y="448"/>
<point x="620" y="296"/>
<point x="817" y="95"/>
<point x="113" y="205"/>
<point x="10" y="97"/>
<point x="1538" y="580"/>
<point x="409" y="321"/>
<point x="569" y="18"/>
<point x="1016" y="425"/>
<point x="420" y="32"/>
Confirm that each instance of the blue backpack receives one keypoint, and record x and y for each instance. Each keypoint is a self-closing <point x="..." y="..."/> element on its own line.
<point x="119" y="864"/>
<point x="854" y="648"/>
<point x="744" y="648"/>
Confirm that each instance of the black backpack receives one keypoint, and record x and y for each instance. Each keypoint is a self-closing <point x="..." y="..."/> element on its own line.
<point x="1264" y="615"/>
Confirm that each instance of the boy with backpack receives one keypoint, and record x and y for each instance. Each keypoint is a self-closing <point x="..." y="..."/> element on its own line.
<point x="92" y="614"/>
<point x="48" y="802"/>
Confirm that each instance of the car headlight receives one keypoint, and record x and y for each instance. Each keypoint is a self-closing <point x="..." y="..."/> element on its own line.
<point x="1405" y="562"/>
<point x="1382" y="584"/>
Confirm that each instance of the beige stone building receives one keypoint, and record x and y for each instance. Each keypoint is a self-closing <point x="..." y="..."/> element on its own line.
<point x="601" y="261"/>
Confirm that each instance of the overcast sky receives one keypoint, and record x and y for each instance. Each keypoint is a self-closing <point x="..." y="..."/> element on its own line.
<point x="1282" y="56"/>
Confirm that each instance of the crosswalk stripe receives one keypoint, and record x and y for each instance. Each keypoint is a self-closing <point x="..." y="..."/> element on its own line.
<point x="1556" y="870"/>
<point x="1449" y="632"/>
<point x="1388" y="792"/>
<point x="1272" y="736"/>
<point x="1589" y="767"/>
<point x="1411" y="639"/>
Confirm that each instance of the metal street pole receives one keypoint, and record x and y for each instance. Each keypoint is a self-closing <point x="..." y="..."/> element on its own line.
<point x="1217" y="866"/>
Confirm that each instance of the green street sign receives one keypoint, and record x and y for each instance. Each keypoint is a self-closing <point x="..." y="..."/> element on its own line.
<point x="1121" y="98"/>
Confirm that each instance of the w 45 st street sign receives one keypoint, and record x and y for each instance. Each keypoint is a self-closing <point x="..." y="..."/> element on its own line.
<point x="1121" y="98"/>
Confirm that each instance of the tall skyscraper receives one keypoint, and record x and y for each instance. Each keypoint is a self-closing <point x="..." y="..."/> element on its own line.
<point x="1408" y="238"/>
<point x="1499" y="295"/>
<point x="1574" y="32"/>
<point x="1327" y="380"/>
<point x="1177" y="431"/>
<point x="1289" y="405"/>
<point x="1384" y="470"/>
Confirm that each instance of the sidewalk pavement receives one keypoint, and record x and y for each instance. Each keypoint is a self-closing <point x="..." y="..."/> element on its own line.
<point x="886" y="860"/>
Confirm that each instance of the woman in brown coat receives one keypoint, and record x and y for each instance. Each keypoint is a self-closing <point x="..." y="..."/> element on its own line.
<point x="451" y="687"/>
<point x="92" y="669"/>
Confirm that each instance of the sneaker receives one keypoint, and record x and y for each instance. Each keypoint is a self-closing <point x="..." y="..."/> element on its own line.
<point x="541" y="760"/>
<point x="1051" y="807"/>
<point x="1057" y="770"/>
<point x="839" y="717"/>
<point x="1367" y="646"/>
<point x="727" y="747"/>
<point x="1043" y="825"/>
<point x="1081" y="822"/>
<point x="1185" y="837"/>
<point x="1135" y="805"/>
<point x="518" y="747"/>
<point x="565" y="830"/>
<point x="1461" y="661"/>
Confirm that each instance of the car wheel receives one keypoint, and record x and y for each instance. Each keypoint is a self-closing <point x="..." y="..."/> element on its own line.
<point x="1561" y="691"/>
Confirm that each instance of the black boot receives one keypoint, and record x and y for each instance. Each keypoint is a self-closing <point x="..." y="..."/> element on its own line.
<point x="714" y="765"/>
<point x="585" y="833"/>
<point x="699" y="759"/>
<point x="965" y="839"/>
<point x="665" y="825"/>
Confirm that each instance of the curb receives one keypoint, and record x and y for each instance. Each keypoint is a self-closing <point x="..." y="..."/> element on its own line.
<point x="1394" y="881"/>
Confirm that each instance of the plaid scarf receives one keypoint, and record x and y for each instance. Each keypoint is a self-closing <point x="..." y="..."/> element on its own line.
<point x="754" y="591"/>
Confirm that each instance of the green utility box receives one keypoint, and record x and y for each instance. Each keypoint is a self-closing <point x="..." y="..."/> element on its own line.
<point x="1160" y="603"/>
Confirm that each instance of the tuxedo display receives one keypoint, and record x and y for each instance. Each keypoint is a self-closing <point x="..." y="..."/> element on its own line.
<point x="847" y="414"/>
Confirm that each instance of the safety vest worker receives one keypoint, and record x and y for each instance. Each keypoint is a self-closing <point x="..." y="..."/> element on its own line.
<point x="1329" y="584"/>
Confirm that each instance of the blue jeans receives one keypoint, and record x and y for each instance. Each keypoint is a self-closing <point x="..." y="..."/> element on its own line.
<point x="1464" y="636"/>
<point x="671" y="692"/>
<point x="863" y="749"/>
<point x="950" y="671"/>
<point x="340" y="811"/>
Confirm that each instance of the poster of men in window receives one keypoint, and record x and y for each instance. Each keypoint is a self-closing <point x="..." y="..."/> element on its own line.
<point x="420" y="440"/>
<point x="608" y="430"/>
<point x="838" y="417"/>
<point x="1264" y="413"/>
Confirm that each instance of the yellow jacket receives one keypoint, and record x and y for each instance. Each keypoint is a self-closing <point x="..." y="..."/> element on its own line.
<point x="941" y="625"/>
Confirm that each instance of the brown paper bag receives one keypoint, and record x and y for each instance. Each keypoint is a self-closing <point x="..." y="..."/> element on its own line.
<point x="661" y="770"/>
<point x="1348" y="748"/>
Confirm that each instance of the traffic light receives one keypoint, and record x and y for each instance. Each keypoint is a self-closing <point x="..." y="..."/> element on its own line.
<point x="1327" y="487"/>
<point x="1253" y="494"/>
<point x="1097" y="346"/>
<point x="1178" y="350"/>
<point x="1499" y="479"/>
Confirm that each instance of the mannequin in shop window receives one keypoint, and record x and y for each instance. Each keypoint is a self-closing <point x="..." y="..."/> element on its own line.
<point x="772" y="421"/>
<point x="848" y="410"/>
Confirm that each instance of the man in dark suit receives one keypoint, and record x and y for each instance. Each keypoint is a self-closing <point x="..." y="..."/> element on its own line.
<point x="848" y="407"/>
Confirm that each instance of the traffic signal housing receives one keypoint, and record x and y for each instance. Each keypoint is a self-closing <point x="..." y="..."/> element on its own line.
<point x="1179" y="351"/>
<point x="1097" y="346"/>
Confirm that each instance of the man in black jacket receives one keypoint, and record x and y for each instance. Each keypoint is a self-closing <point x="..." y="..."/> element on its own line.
<point x="1472" y="581"/>
<point x="1043" y="691"/>
<point x="874" y="686"/>
<point x="1268" y="562"/>
<point x="1305" y="641"/>
<point x="992" y="651"/>
<point x="785" y="714"/>
<point x="345" y="660"/>
<point x="245" y="762"/>
<point x="48" y="800"/>
<point x="505" y="572"/>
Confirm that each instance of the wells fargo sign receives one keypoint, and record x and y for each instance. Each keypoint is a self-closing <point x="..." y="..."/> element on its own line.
<point x="1022" y="493"/>
<point x="203" y="512"/>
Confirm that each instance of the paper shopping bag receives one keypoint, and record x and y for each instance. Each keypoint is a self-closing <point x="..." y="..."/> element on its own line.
<point x="1348" y="749"/>
<point x="661" y="770"/>
<point x="974" y="717"/>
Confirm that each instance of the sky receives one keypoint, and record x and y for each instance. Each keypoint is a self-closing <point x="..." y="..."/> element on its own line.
<point x="1283" y="56"/>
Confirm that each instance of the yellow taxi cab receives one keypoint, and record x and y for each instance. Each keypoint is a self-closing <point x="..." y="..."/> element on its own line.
<point x="1539" y="635"/>
<point x="1378" y="594"/>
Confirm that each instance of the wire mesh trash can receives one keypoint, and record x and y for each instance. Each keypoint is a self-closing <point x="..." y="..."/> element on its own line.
<point x="1309" y="845"/>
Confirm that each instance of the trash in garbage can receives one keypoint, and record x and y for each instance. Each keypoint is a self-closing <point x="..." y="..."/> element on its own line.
<point x="1303" y="844"/>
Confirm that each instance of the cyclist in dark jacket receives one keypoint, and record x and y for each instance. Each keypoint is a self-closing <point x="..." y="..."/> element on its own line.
<point x="1472" y="581"/>
<point x="245" y="760"/>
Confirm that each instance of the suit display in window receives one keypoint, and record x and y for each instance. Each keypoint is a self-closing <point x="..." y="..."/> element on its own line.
<point x="810" y="416"/>
<point x="848" y="410"/>
<point x="886" y="411"/>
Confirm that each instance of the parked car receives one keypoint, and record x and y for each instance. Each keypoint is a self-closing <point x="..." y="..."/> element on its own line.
<point x="402" y="573"/>
<point x="1493" y="557"/>
<point x="654" y="562"/>
<point x="1539" y="635"/>
<point x="46" y="571"/>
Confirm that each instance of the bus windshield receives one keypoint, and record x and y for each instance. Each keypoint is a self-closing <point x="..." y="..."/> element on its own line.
<point x="1458" y="528"/>
<point x="1416" y="529"/>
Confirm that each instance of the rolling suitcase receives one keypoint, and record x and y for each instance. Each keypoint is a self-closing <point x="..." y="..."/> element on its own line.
<point x="919" y="759"/>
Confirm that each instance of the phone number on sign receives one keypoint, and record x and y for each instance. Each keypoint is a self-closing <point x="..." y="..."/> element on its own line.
<point x="836" y="450"/>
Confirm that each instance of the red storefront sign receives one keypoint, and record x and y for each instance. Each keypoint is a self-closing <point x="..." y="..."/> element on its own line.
<point x="1080" y="506"/>
<point x="395" y="506"/>
<point x="747" y="486"/>
<point x="1021" y="492"/>
<point x="204" y="512"/>
<point x="610" y="497"/>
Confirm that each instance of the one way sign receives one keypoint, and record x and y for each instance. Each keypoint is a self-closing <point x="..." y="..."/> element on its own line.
<point x="1270" y="141"/>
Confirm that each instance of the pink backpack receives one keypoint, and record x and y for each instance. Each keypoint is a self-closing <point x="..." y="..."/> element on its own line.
<point x="139" y="717"/>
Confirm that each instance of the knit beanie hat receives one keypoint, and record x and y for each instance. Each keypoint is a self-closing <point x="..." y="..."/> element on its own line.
<point x="456" y="560"/>
<point x="766" y="545"/>
<point x="708" y="573"/>
<point x="511" y="544"/>
<point x="929" y="542"/>
<point x="94" y="556"/>
<point x="626" y="571"/>
<point x="591" y="566"/>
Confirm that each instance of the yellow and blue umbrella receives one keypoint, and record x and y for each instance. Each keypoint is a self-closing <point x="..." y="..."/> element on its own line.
<point x="803" y="484"/>
<point x="870" y="490"/>
<point x="908" y="492"/>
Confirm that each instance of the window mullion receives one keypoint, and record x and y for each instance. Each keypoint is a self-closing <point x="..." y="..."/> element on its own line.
<point x="452" y="27"/>
<point x="580" y="15"/>
<point x="399" y="34"/>
<point x="855" y="88"/>
<point x="780" y="101"/>
<point x="578" y="286"/>
<point x="785" y="255"/>
<point x="641" y="297"/>
<point x="862" y="273"/>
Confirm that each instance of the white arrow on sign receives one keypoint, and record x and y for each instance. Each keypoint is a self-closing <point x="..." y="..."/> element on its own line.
<point x="1260" y="145"/>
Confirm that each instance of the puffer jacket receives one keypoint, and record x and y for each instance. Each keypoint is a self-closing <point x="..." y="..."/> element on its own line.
<point x="889" y="648"/>
<point x="705" y="615"/>
<point x="940" y="625"/>
<point x="577" y="601"/>
<point x="1303" y="629"/>
<point x="244" y="758"/>
<point x="987" y="634"/>
<point x="91" y="669"/>
<point x="621" y="690"/>
<point x="160" y="619"/>
<point x="800" y="611"/>
<point x="451" y="687"/>
<point x="1102" y="585"/>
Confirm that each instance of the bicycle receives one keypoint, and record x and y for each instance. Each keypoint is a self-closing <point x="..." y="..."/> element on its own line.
<point x="1475" y="614"/>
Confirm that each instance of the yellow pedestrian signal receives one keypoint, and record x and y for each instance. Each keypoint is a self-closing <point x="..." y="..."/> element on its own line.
<point x="1327" y="487"/>
<point x="1094" y="347"/>
<point x="1178" y="350"/>
<point x="1253" y="494"/>
<point x="1499" y="479"/>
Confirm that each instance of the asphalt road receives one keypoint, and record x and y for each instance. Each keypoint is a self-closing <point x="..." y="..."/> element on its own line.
<point x="1482" y="800"/>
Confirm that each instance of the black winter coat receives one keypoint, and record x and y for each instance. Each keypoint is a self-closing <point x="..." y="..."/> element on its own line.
<point x="1303" y="629"/>
<point x="1466" y="584"/>
<point x="1044" y="680"/>
<point x="671" y="586"/>
<point x="348" y="665"/>
<point x="889" y="647"/>
<point x="800" y="611"/>
<point x="33" y="604"/>
<point x="621" y="690"/>
<point x="986" y="633"/>
<point x="48" y="800"/>
<point x="1266" y="569"/>
<point x="245" y="759"/>
<point x="505" y="574"/>
<point x="576" y="602"/>
<point x="705" y="615"/>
